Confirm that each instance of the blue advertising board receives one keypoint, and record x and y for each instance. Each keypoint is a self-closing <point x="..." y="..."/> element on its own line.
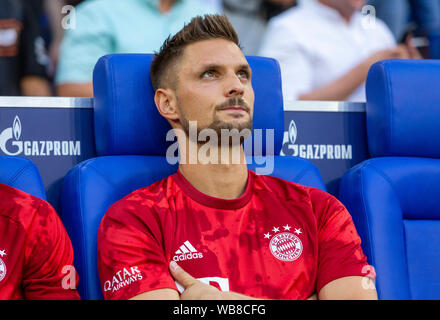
<point x="332" y="135"/>
<point x="57" y="134"/>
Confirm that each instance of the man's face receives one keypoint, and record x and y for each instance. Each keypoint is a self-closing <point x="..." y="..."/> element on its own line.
<point x="356" y="5"/>
<point x="345" y="6"/>
<point x="214" y="86"/>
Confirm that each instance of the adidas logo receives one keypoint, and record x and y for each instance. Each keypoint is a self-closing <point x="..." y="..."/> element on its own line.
<point x="187" y="252"/>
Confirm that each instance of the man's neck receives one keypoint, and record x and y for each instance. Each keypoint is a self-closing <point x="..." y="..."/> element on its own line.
<point x="165" y="5"/>
<point x="219" y="180"/>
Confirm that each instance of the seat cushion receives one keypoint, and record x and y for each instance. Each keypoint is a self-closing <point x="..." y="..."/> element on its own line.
<point x="385" y="196"/>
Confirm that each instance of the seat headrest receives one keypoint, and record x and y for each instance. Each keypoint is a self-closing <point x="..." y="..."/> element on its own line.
<point x="403" y="108"/>
<point x="21" y="173"/>
<point x="128" y="123"/>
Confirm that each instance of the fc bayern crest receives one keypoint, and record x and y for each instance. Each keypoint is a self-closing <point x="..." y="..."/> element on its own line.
<point x="2" y="270"/>
<point x="285" y="246"/>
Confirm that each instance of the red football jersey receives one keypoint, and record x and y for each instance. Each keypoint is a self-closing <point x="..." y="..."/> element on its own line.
<point x="279" y="240"/>
<point x="36" y="255"/>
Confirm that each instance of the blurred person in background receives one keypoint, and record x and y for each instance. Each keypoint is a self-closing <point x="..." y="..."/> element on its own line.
<point x="275" y="7"/>
<point x="249" y="18"/>
<point x="401" y="15"/>
<point x="217" y="5"/>
<point x="121" y="26"/>
<point x="23" y="57"/>
<point x="326" y="48"/>
<point x="56" y="12"/>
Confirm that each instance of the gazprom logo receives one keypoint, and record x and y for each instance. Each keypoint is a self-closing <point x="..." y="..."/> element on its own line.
<point x="10" y="144"/>
<point x="313" y="151"/>
<point x="14" y="132"/>
<point x="293" y="132"/>
<point x="16" y="128"/>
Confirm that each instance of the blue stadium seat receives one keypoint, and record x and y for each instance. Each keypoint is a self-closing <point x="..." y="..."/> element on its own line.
<point x="131" y="147"/>
<point x="394" y="197"/>
<point x="22" y="174"/>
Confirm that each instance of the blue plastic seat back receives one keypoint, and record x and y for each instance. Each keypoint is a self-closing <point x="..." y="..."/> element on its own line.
<point x="394" y="198"/>
<point x="22" y="174"/>
<point x="130" y="136"/>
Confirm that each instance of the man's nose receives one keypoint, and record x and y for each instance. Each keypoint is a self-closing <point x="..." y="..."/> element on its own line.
<point x="234" y="86"/>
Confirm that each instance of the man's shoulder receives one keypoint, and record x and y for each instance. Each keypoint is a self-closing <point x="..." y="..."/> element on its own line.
<point x="143" y="199"/>
<point x="198" y="7"/>
<point x="287" y="189"/>
<point x="96" y="11"/>
<point x="140" y="210"/>
<point x="320" y="201"/>
<point x="297" y="25"/>
<point x="91" y="5"/>
<point x="20" y="206"/>
<point x="294" y="18"/>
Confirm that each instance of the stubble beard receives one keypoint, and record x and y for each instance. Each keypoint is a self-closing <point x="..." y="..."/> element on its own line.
<point x="221" y="127"/>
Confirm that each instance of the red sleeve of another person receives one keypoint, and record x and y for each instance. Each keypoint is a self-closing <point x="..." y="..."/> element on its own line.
<point x="48" y="272"/>
<point x="340" y="252"/>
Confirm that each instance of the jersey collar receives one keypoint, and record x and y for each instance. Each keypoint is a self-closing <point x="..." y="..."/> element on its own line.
<point x="212" y="202"/>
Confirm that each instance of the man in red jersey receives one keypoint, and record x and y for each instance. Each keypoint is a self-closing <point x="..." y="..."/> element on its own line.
<point x="36" y="256"/>
<point x="215" y="230"/>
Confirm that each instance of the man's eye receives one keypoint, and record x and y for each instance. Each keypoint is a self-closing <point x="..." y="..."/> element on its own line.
<point x="243" y="74"/>
<point x="208" y="74"/>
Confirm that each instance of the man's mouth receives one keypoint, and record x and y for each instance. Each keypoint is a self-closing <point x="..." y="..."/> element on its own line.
<point x="234" y="109"/>
<point x="236" y="105"/>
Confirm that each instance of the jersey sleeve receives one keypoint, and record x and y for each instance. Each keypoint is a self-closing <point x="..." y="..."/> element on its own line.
<point x="49" y="273"/>
<point x="340" y="252"/>
<point x="131" y="256"/>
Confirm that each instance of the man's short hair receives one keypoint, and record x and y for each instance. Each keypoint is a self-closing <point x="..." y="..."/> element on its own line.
<point x="207" y="27"/>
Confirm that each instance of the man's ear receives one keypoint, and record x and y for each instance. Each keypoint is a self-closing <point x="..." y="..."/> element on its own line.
<point x="166" y="103"/>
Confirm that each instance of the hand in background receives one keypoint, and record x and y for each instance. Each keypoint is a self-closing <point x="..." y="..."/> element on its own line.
<point x="413" y="52"/>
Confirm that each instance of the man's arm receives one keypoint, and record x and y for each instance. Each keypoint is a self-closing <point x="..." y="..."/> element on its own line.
<point x="194" y="290"/>
<point x="197" y="290"/>
<point x="35" y="86"/>
<point x="48" y="256"/>
<point x="75" y="90"/>
<point x="342" y="88"/>
<point x="81" y="48"/>
<point x="159" y="294"/>
<point x="33" y="57"/>
<point x="128" y="249"/>
<point x="349" y="288"/>
<point x="54" y="12"/>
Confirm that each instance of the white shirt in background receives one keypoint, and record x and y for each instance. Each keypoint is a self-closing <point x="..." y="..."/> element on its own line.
<point x="315" y="46"/>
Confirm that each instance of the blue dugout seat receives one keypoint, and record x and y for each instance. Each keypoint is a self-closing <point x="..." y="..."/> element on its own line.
<point x="131" y="148"/>
<point x="394" y="197"/>
<point x="22" y="174"/>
